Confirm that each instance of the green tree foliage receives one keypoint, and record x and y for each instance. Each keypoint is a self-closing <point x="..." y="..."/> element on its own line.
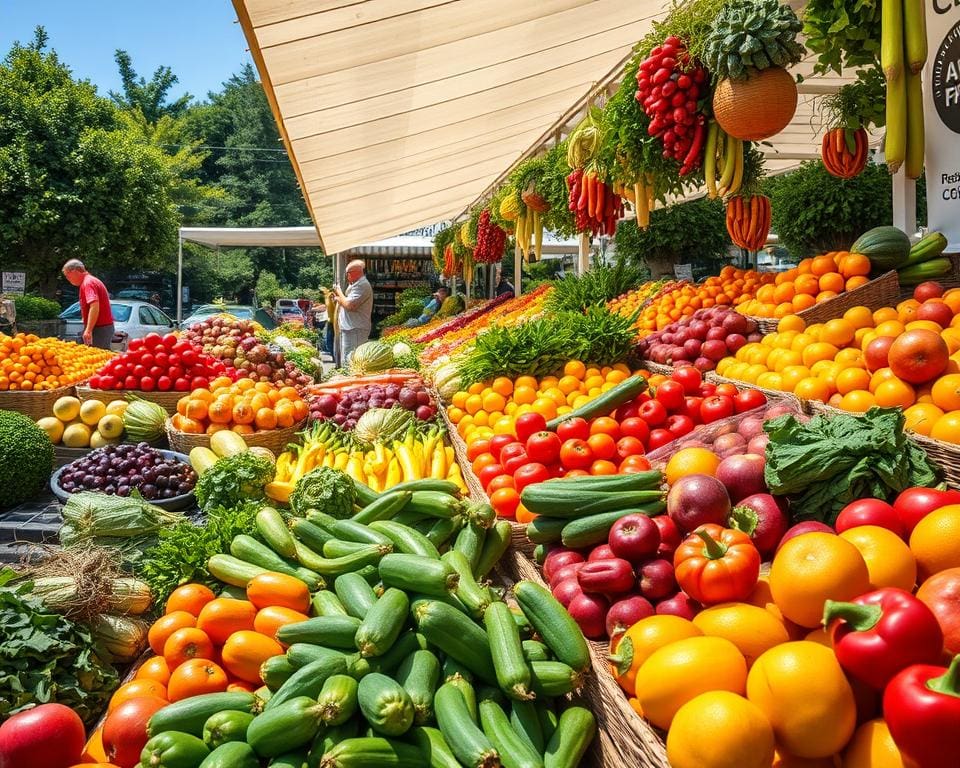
<point x="150" y="97"/>
<point x="75" y="181"/>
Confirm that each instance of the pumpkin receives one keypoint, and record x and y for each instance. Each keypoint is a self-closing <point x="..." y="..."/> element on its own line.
<point x="844" y="152"/>
<point x="886" y="247"/>
<point x="371" y="357"/>
<point x="758" y="107"/>
<point x="748" y="221"/>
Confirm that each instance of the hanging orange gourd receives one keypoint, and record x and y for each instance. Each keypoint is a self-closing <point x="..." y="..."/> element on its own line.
<point x="844" y="152"/>
<point x="748" y="221"/>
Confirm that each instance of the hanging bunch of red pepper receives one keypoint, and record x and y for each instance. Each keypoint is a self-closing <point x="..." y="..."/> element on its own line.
<point x="491" y="240"/>
<point x="450" y="265"/>
<point x="748" y="221"/>
<point x="596" y="206"/>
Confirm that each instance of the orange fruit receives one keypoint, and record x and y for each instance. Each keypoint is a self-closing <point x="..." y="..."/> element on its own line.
<point x="872" y="746"/>
<point x="839" y="332"/>
<point x="502" y="386"/>
<point x="802" y="301"/>
<point x="889" y="560"/>
<point x="749" y="627"/>
<point x="165" y="626"/>
<point x="921" y="417"/>
<point x="691" y="461"/>
<point x="825" y="296"/>
<point x="854" y="265"/>
<point x="576" y="369"/>
<point x="719" y="729"/>
<point x="817" y="351"/>
<point x="946" y="392"/>
<point x="190" y="598"/>
<point x="832" y="282"/>
<point x="791" y="323"/>
<point x="947" y="428"/>
<point x="642" y="639"/>
<point x="807" y="285"/>
<point x="857" y="401"/>
<point x="812" y="568"/>
<point x="935" y="541"/>
<point x="783" y="293"/>
<point x="812" y="388"/>
<point x="135" y="689"/>
<point x="154" y="668"/>
<point x="850" y="379"/>
<point x="821" y="265"/>
<point x="894" y="393"/>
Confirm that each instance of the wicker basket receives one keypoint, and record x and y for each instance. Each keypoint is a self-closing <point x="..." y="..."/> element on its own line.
<point x="276" y="440"/>
<point x="36" y="405"/>
<point x="167" y="400"/>
<point x="663" y="370"/>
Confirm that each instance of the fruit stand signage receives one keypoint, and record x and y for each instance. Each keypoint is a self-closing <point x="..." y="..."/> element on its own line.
<point x="942" y="107"/>
<point x="14" y="282"/>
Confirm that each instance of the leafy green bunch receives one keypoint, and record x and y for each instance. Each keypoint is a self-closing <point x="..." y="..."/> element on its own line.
<point x="859" y="104"/>
<point x="845" y="34"/>
<point x="595" y="287"/>
<point x="751" y="35"/>
<point x="234" y="480"/>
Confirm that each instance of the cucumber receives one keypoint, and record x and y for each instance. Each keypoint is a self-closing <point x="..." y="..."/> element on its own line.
<point x="434" y="747"/>
<point x="356" y="595"/>
<point x="604" y="404"/>
<point x="452" y="668"/>
<point x="252" y="551"/>
<point x="226" y="726"/>
<point x="307" y="681"/>
<point x="407" y="643"/>
<point x="513" y="672"/>
<point x="469" y="543"/>
<point x="554" y="678"/>
<point x="540" y="553"/>
<point x="470" y="745"/>
<point x="370" y="574"/>
<point x="273" y="529"/>
<point x="301" y="654"/>
<point x="592" y="529"/>
<point x="368" y="554"/>
<point x="472" y="595"/>
<point x="406" y="540"/>
<point x="435" y="504"/>
<point x="558" y="502"/>
<point x="456" y="635"/>
<point x="514" y="751"/>
<point x="495" y="544"/>
<point x="383" y="623"/>
<point x="326" y="603"/>
<point x="416" y="573"/>
<point x="233" y="571"/>
<point x="410" y="519"/>
<point x="545" y="529"/>
<point x="548" y="719"/>
<point x="339" y="548"/>
<point x="264" y="694"/>
<point x="533" y="650"/>
<point x="310" y="534"/>
<point x="442" y="530"/>
<point x="322" y="519"/>
<point x="350" y="530"/>
<point x="285" y="727"/>
<point x="570" y="741"/>
<point x="526" y="722"/>
<point x="190" y="715"/>
<point x="482" y="514"/>
<point x="174" y="750"/>
<point x="338" y="699"/>
<point x="639" y="481"/>
<point x="365" y="494"/>
<point x="329" y="737"/>
<point x="556" y="628"/>
<point x="295" y="759"/>
<point x="372" y="752"/>
<point x="448" y="599"/>
<point x="275" y="671"/>
<point x="233" y="754"/>
<point x="418" y="675"/>
<point x="428" y="484"/>
<point x="232" y="592"/>
<point x="523" y="625"/>
<point x="469" y="694"/>
<point x="385" y="507"/>
<point x="385" y="704"/>
<point x="331" y="631"/>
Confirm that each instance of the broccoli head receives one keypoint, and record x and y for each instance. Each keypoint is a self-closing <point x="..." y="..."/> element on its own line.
<point x="329" y="490"/>
<point x="26" y="459"/>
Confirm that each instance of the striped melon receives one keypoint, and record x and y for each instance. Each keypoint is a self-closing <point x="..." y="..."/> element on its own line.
<point x="371" y="357"/>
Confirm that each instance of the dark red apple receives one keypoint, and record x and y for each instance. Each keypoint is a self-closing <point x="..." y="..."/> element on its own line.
<point x="742" y="475"/>
<point x="714" y="349"/>
<point x="656" y="579"/>
<point x="680" y="604"/>
<point x="696" y="500"/>
<point x="735" y="341"/>
<point x="624" y="613"/>
<point x="564" y="572"/>
<point x="807" y="526"/>
<point x="590" y="613"/>
<point x="634" y="538"/>
<point x="670" y="536"/>
<point x="763" y="518"/>
<point x="557" y="558"/>
<point x="692" y="348"/>
<point x="716" y="334"/>
<point x="566" y="590"/>
<point x="601" y="552"/>
<point x="936" y="311"/>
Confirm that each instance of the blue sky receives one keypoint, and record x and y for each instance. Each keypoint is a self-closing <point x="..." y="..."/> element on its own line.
<point x="199" y="40"/>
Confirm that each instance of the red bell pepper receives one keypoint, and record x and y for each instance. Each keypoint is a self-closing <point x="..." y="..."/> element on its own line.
<point x="717" y="565"/>
<point x="882" y="632"/>
<point x="922" y="708"/>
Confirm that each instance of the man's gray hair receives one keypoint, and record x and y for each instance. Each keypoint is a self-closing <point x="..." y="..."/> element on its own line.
<point x="74" y="265"/>
<point x="356" y="264"/>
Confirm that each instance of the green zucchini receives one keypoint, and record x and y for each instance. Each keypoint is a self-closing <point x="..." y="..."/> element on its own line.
<point x="470" y="745"/>
<point x="471" y="594"/>
<point x="226" y="726"/>
<point x="469" y="543"/>
<point x="544" y="529"/>
<point x="233" y="571"/>
<point x="526" y="722"/>
<point x="356" y="595"/>
<point x="410" y="519"/>
<point x="350" y="530"/>
<point x="407" y="643"/>
<point x="405" y="539"/>
<point x="555" y="626"/>
<point x="638" y="481"/>
<point x="232" y="592"/>
<point x="416" y="573"/>
<point x="592" y="529"/>
<point x="385" y="704"/>
<point x="295" y="759"/>
<point x="383" y="623"/>
<point x="329" y="737"/>
<point x="372" y="752"/>
<point x="570" y="741"/>
<point x="326" y="603"/>
<point x="314" y="536"/>
<point x="557" y="502"/>
<point x="331" y="631"/>
<point x="273" y="529"/>
<point x="285" y="727"/>
<point x="384" y="508"/>
<point x="495" y="544"/>
<point x="469" y="694"/>
<point x="554" y="678"/>
<point x="301" y="654"/>
<point x="523" y="625"/>
<point x="338" y="699"/>
<point x="190" y="715"/>
<point x="443" y="529"/>
<point x="434" y="747"/>
<point x="418" y="675"/>
<point x="435" y="504"/>
<point x="456" y="635"/>
<point x="428" y="484"/>
<point x="370" y="574"/>
<point x="369" y="554"/>
<point x="307" y="681"/>
<point x="448" y="599"/>
<point x="534" y="650"/>
<point x="171" y="749"/>
<point x="548" y="718"/>
<point x="365" y="494"/>
<point x="275" y="671"/>
<point x="339" y="548"/>
<point x="233" y="754"/>
<point x="514" y="751"/>
<point x="605" y="403"/>
<point x="252" y="551"/>
<point x="322" y="519"/>
<point x="452" y="668"/>
<point x="513" y="672"/>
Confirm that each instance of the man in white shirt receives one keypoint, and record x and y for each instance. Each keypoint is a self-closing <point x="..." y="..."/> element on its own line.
<point x="355" y="310"/>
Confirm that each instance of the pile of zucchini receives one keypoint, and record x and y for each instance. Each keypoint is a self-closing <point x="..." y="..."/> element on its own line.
<point x="411" y="659"/>
<point x="579" y="511"/>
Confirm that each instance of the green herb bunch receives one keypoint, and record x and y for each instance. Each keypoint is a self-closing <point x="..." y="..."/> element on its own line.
<point x="844" y="34"/>
<point x="234" y="480"/>
<point x="859" y="104"/>
<point x="751" y="35"/>
<point x="595" y="287"/>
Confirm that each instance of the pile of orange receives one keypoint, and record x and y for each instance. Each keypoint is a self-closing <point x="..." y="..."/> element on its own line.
<point x="243" y="406"/>
<point x="812" y="281"/>
<point x="628" y="303"/>
<point x="29" y="363"/>
<point x="490" y="408"/>
<point x="732" y="287"/>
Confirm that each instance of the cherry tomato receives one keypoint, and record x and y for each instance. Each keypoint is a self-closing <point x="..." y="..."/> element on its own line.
<point x="671" y="394"/>
<point x="629" y="446"/>
<point x="161" y="358"/>
<point x="489" y="473"/>
<point x="634" y="464"/>
<point x="152" y="340"/>
<point x="870" y="512"/>
<point x="477" y="447"/>
<point x="505" y="502"/>
<point x="147" y="359"/>
<point x="500" y="481"/>
<point x="653" y="412"/>
<point x="134" y="345"/>
<point x="170" y="341"/>
<point x="635" y="427"/>
<point x="139" y="371"/>
<point x="544" y="447"/>
<point x="199" y="382"/>
<point x="660" y="437"/>
<point x="529" y="423"/>
<point x="182" y="384"/>
<point x="603" y="467"/>
<point x="604" y="425"/>
<point x="573" y="429"/>
<point x="708" y="389"/>
<point x="147" y="383"/>
<point x="131" y="381"/>
<point x="689" y="377"/>
<point x="499" y="442"/>
<point x="533" y="472"/>
<point x="716" y="407"/>
<point x="576" y="454"/>
<point x="602" y="445"/>
<point x="748" y="399"/>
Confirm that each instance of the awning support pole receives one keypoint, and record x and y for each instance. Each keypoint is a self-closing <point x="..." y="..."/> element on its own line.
<point x="905" y="203"/>
<point x="180" y="279"/>
<point x="517" y="270"/>
<point x="583" y="261"/>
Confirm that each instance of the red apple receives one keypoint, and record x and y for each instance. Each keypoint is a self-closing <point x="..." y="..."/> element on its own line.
<point x="877" y="352"/>
<point x="931" y="289"/>
<point x="937" y="311"/>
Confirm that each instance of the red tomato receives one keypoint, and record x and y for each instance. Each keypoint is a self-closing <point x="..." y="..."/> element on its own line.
<point x="139" y="371"/>
<point x="500" y="481"/>
<point x="653" y="412"/>
<point x="489" y="473"/>
<point x="573" y="429"/>
<point x="603" y="467"/>
<point x="576" y="454"/>
<point x="707" y="389"/>
<point x="147" y="359"/>
<point x="533" y="472"/>
<point x="716" y="407"/>
<point x="161" y="358"/>
<point x="727" y="389"/>
<point x="164" y="383"/>
<point x="633" y="464"/>
<point x="748" y="399"/>
<point x="529" y="423"/>
<point x="147" y="384"/>
<point x="680" y="424"/>
<point x="505" y="502"/>
<point x="170" y="341"/>
<point x="691" y="408"/>
<point x="152" y="340"/>
<point x="635" y="427"/>
<point x="689" y="377"/>
<point x="483" y="460"/>
<point x="914" y="504"/>
<point x="629" y="446"/>
<point x="499" y="442"/>
<point x="629" y="410"/>
<point x="134" y="345"/>
<point x="515" y="462"/>
<point x="131" y="381"/>
<point x="671" y="394"/>
<point x="199" y="382"/>
<point x="47" y="736"/>
<point x="604" y="425"/>
<point x="544" y="447"/>
<point x="477" y="447"/>
<point x="510" y="450"/>
<point x="870" y="512"/>
<point x="660" y="437"/>
<point x="602" y="445"/>
<point x="556" y="470"/>
<point x="577" y="473"/>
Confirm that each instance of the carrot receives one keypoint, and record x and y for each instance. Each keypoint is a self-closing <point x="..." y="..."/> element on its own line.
<point x="591" y="193"/>
<point x="600" y="201"/>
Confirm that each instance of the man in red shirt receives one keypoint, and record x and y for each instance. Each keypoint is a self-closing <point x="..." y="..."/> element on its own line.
<point x="94" y="305"/>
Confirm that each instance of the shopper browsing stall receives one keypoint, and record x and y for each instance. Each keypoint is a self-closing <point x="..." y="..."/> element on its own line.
<point x="355" y="310"/>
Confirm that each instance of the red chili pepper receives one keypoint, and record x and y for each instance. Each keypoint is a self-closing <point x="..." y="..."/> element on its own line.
<point x="717" y="565"/>
<point x="882" y="632"/>
<point x="922" y="708"/>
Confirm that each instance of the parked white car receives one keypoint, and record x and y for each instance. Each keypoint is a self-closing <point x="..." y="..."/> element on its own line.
<point x="131" y="320"/>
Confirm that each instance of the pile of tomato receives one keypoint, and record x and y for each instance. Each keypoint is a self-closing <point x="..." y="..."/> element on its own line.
<point x="162" y="363"/>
